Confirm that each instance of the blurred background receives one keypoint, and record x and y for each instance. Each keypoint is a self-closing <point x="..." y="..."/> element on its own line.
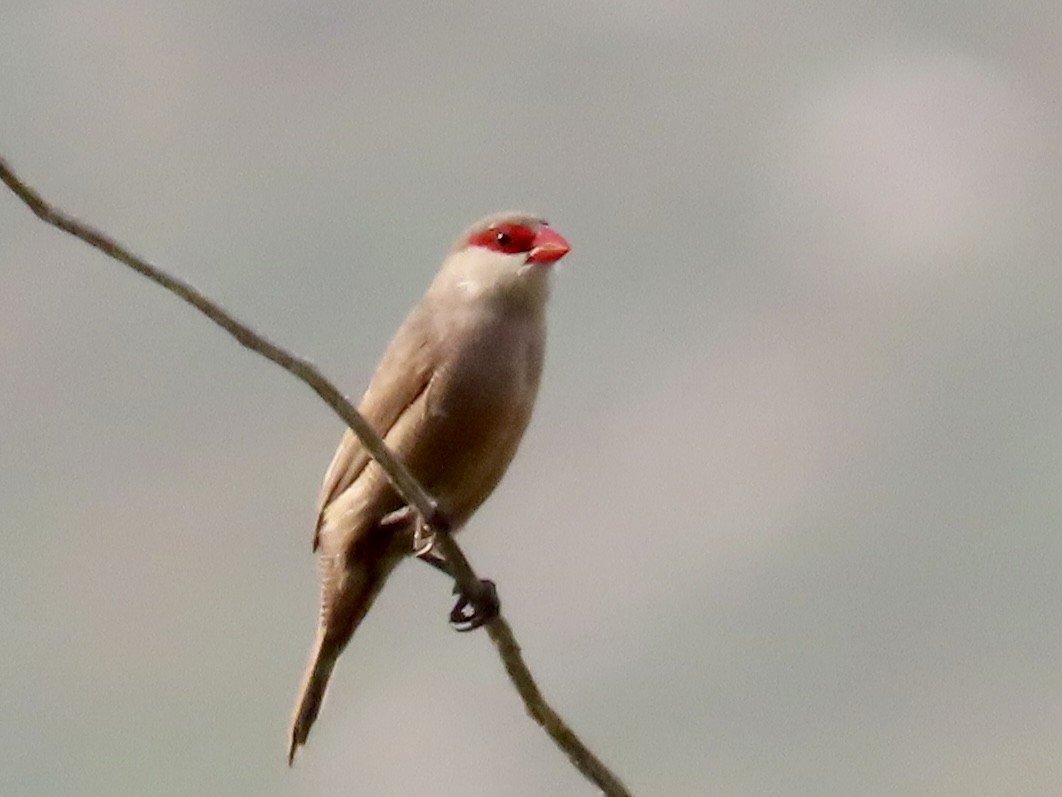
<point x="787" y="519"/>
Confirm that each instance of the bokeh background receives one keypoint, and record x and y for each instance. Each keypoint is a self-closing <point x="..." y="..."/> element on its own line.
<point x="787" y="521"/>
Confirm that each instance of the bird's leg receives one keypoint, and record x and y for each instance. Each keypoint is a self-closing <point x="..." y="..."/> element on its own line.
<point x="423" y="540"/>
<point x="473" y="609"/>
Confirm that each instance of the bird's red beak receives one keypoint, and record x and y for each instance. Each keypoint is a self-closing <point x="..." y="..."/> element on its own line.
<point x="549" y="246"/>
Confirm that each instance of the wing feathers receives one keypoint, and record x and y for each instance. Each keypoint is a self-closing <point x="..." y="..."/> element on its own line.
<point x="401" y="378"/>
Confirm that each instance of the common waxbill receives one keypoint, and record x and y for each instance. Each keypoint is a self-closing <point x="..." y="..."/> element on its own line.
<point x="451" y="397"/>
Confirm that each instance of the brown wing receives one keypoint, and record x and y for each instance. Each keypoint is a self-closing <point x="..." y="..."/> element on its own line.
<point x="400" y="379"/>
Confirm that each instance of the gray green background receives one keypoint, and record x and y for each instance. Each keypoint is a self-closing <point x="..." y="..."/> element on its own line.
<point x="787" y="519"/>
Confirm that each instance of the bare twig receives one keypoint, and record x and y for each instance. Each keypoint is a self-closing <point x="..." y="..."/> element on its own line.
<point x="404" y="482"/>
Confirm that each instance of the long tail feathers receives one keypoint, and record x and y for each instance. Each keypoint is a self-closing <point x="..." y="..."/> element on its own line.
<point x="314" y="685"/>
<point x="345" y="606"/>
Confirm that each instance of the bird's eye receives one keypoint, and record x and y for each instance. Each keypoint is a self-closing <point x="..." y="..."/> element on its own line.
<point x="507" y="237"/>
<point x="510" y="238"/>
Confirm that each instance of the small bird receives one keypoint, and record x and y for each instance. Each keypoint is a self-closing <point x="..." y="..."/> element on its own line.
<point x="451" y="397"/>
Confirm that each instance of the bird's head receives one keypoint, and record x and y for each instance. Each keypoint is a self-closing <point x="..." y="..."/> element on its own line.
<point x="506" y="255"/>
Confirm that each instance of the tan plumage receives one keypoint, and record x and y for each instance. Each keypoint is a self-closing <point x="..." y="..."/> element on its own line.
<point x="451" y="396"/>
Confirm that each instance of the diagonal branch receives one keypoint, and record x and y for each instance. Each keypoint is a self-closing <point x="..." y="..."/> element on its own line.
<point x="404" y="482"/>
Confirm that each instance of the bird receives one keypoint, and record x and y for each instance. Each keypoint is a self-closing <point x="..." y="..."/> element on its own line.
<point x="451" y="397"/>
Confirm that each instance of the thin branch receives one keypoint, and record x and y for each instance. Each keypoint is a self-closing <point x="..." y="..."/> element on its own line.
<point x="592" y="767"/>
<point x="403" y="481"/>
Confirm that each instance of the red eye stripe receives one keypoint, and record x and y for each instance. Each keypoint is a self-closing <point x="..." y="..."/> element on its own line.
<point x="510" y="239"/>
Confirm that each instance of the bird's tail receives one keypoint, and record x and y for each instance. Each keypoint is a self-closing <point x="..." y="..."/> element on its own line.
<point x="340" y="616"/>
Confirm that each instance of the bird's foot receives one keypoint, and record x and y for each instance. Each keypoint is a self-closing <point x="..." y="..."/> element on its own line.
<point x="475" y="609"/>
<point x="426" y="529"/>
<point x="424" y="542"/>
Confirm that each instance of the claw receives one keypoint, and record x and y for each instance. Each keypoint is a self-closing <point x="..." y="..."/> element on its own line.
<point x="423" y="541"/>
<point x="424" y="533"/>
<point x="472" y="611"/>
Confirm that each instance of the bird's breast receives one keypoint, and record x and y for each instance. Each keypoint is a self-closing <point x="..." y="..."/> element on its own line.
<point x="478" y="405"/>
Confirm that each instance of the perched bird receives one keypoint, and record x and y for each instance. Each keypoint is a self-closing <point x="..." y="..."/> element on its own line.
<point x="451" y="397"/>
